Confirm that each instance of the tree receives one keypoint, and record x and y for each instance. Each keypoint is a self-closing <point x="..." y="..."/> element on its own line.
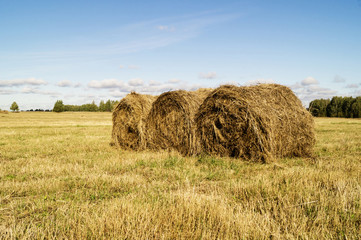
<point x="14" y="107"/>
<point x="334" y="108"/>
<point x="356" y="108"/>
<point x="58" y="106"/>
<point x="114" y="104"/>
<point x="102" y="106"/>
<point x="108" y="106"/>
<point x="346" y="106"/>
<point x="318" y="107"/>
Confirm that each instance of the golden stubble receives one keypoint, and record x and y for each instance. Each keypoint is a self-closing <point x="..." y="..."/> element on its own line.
<point x="60" y="179"/>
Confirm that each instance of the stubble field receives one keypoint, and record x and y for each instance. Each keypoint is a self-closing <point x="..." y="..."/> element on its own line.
<point x="60" y="179"/>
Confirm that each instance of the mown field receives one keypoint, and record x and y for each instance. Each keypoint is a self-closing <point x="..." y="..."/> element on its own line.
<point x="60" y="179"/>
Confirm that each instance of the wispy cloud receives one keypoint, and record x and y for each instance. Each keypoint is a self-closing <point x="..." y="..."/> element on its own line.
<point x="64" y="83"/>
<point x="339" y="79"/>
<point x="119" y="89"/>
<point x="22" y="81"/>
<point x="166" y="28"/>
<point x="309" y="81"/>
<point x="309" y="89"/>
<point x="136" y="37"/>
<point x="6" y="91"/>
<point x="30" y="90"/>
<point x="106" y="83"/>
<point x="154" y="83"/>
<point x="259" y="81"/>
<point x="117" y="94"/>
<point x="352" y="86"/>
<point x="76" y="85"/>
<point x="136" y="82"/>
<point x="174" y="81"/>
<point x="209" y="75"/>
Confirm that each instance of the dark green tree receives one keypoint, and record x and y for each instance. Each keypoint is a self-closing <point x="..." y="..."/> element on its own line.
<point x="346" y="106"/>
<point x="318" y="107"/>
<point x="334" y="109"/>
<point x="14" y="107"/>
<point x="108" y="106"/>
<point x="58" y="106"/>
<point x="102" y="107"/>
<point x="356" y="108"/>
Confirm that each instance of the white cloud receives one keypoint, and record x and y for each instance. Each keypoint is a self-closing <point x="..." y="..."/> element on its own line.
<point x="339" y="79"/>
<point x="106" y="83"/>
<point x="30" y="90"/>
<point x="25" y="81"/>
<point x="259" y="81"/>
<point x="164" y="87"/>
<point x="309" y="81"/>
<point x="296" y="86"/>
<point x="316" y="89"/>
<point x="352" y="86"/>
<point x="174" y="81"/>
<point x="154" y="88"/>
<point x="117" y="94"/>
<point x="307" y="93"/>
<point x="231" y="83"/>
<point x="154" y="83"/>
<point x="136" y="82"/>
<point x="6" y="91"/>
<point x="210" y="75"/>
<point x="121" y="66"/>
<point x="64" y="83"/>
<point x="76" y="85"/>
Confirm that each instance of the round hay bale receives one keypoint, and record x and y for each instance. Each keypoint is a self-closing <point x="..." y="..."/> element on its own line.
<point x="129" y="121"/>
<point x="170" y="123"/>
<point x="257" y="123"/>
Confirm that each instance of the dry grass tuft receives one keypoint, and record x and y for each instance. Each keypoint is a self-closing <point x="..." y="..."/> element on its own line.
<point x="257" y="123"/>
<point x="170" y="123"/>
<point x="4" y="111"/>
<point x="129" y="121"/>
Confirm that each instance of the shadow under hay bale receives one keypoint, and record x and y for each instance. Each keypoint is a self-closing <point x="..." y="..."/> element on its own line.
<point x="129" y="121"/>
<point x="170" y="123"/>
<point x="257" y="123"/>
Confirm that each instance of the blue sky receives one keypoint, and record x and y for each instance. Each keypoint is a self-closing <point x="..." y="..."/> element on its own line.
<point x="80" y="51"/>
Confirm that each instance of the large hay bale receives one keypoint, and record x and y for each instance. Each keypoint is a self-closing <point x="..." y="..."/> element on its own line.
<point x="129" y="121"/>
<point x="170" y="123"/>
<point x="257" y="123"/>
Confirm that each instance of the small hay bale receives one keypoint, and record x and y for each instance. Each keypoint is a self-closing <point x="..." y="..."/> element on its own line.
<point x="129" y="121"/>
<point x="257" y="123"/>
<point x="170" y="123"/>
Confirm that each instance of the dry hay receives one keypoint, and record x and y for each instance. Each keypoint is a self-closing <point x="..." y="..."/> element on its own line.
<point x="170" y="123"/>
<point x="4" y="111"/>
<point x="129" y="121"/>
<point x="257" y="123"/>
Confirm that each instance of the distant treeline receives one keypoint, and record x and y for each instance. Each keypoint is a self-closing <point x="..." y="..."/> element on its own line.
<point x="347" y="107"/>
<point x="38" y="110"/>
<point x="90" y="107"/>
